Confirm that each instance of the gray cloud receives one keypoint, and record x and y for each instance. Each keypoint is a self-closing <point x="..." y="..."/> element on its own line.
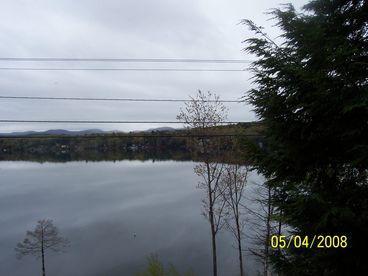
<point x="122" y="29"/>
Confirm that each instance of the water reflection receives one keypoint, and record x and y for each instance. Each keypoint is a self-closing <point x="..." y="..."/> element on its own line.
<point x="99" y="207"/>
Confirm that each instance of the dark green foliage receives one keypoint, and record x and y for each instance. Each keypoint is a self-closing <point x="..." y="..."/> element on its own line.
<point x="311" y="93"/>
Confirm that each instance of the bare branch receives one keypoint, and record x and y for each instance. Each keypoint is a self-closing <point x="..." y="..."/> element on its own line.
<point x="44" y="237"/>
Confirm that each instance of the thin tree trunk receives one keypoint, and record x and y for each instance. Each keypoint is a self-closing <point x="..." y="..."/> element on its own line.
<point x="268" y="233"/>
<point x="240" y="252"/>
<point x="43" y="258"/>
<point x="214" y="254"/>
<point x="279" y="230"/>
<point x="239" y="241"/>
<point x="213" y="234"/>
<point x="211" y="218"/>
<point x="237" y="217"/>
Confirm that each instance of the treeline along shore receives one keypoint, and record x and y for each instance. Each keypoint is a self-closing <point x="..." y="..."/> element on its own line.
<point x="147" y="145"/>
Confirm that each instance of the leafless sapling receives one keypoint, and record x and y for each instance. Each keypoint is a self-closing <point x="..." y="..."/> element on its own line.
<point x="233" y="183"/>
<point x="43" y="238"/>
<point x="201" y="114"/>
<point x="264" y="225"/>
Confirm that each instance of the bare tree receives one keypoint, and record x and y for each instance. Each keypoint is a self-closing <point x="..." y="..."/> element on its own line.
<point x="233" y="181"/>
<point x="43" y="238"/>
<point x="201" y="114"/>
<point x="213" y="205"/>
<point x="203" y="111"/>
<point x="264" y="225"/>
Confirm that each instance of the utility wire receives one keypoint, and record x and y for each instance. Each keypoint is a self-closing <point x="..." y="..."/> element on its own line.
<point x="121" y="69"/>
<point x="112" y="99"/>
<point x="133" y="60"/>
<point x="111" y="122"/>
<point x="52" y="136"/>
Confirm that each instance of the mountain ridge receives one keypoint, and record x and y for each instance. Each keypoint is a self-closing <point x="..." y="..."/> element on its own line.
<point x="66" y="132"/>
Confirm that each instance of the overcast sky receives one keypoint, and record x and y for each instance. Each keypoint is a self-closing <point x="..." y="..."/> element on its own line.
<point x="197" y="29"/>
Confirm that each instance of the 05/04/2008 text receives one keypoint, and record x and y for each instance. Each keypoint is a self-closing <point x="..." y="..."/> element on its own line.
<point x="316" y="241"/>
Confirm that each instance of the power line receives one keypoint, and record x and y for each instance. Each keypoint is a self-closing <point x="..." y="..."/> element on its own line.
<point x="133" y="60"/>
<point x="130" y="136"/>
<point x="112" y="99"/>
<point x="122" y="69"/>
<point x="111" y="122"/>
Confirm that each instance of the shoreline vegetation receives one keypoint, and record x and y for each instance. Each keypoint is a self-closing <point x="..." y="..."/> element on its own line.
<point x="154" y="145"/>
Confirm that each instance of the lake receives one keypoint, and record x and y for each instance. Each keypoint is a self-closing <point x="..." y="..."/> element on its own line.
<point x="115" y="215"/>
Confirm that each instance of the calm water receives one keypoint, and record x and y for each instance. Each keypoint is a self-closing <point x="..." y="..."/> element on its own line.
<point x="98" y="206"/>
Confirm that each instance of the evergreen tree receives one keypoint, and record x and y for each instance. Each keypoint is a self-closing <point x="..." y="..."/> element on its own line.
<point x="311" y="93"/>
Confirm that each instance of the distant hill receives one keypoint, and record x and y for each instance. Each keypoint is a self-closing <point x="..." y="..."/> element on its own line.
<point x="78" y="132"/>
<point x="55" y="132"/>
<point x="252" y="128"/>
<point x="158" y="129"/>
